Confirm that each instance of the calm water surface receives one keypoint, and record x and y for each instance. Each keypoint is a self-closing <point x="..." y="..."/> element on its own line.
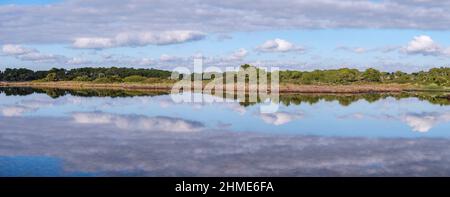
<point x="48" y="132"/>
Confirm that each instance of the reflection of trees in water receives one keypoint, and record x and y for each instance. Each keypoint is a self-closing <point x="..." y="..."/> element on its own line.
<point x="347" y="99"/>
<point x="286" y="99"/>
<point x="10" y="91"/>
<point x="55" y="92"/>
<point x="343" y="99"/>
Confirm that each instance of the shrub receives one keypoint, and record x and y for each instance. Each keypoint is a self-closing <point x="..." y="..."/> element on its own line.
<point x="111" y="79"/>
<point x="82" y="78"/>
<point x="134" y="79"/>
<point x="372" y="75"/>
<point x="50" y="77"/>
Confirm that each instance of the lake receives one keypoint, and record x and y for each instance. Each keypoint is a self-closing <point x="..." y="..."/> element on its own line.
<point x="56" y="132"/>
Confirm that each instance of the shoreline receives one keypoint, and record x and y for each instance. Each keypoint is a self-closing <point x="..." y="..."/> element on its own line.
<point x="284" y="88"/>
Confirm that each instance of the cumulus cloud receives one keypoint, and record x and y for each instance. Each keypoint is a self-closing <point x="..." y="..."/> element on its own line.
<point x="96" y="18"/>
<point x="93" y="43"/>
<point x="100" y="24"/>
<point x="168" y="58"/>
<point x="236" y="108"/>
<point x="425" y="121"/>
<point x="11" y="49"/>
<point x="134" y="39"/>
<point x="12" y="111"/>
<point x="240" y="54"/>
<point x="419" y="122"/>
<point x="278" y="45"/>
<point x="422" y="45"/>
<point x="138" y="123"/>
<point x="425" y="45"/>
<point x="25" y="106"/>
<point x="30" y="54"/>
<point x="280" y="118"/>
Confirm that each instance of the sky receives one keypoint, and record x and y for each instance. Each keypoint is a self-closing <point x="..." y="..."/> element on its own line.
<point x="390" y="35"/>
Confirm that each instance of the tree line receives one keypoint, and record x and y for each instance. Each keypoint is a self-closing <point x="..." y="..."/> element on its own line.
<point x="286" y="99"/>
<point x="434" y="76"/>
<point x="112" y="74"/>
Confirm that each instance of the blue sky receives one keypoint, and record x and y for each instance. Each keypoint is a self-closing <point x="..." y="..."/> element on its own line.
<point x="307" y="35"/>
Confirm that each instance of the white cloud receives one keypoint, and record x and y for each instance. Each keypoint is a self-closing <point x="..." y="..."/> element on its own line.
<point x="447" y="51"/>
<point x="93" y="43"/>
<point x="425" y="45"/>
<point x="419" y="122"/>
<point x="134" y="39"/>
<point x="24" y="106"/>
<point x="93" y="118"/>
<point x="280" y="118"/>
<point x="426" y="121"/>
<point x="11" y="49"/>
<point x="30" y="54"/>
<point x="239" y="54"/>
<point x="40" y="57"/>
<point x="278" y="45"/>
<point x="145" y="61"/>
<point x="359" y="50"/>
<point x="78" y="61"/>
<point x="138" y="123"/>
<point x="12" y="111"/>
<point x="168" y="58"/>
<point x="236" y="108"/>
<point x="163" y="38"/>
<point x="96" y="18"/>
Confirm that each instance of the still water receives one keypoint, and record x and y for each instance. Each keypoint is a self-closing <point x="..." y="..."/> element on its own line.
<point x="53" y="132"/>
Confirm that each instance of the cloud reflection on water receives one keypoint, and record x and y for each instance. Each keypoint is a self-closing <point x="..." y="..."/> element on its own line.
<point x="418" y="122"/>
<point x="239" y="116"/>
<point x="280" y="118"/>
<point x="423" y="122"/>
<point x="104" y="149"/>
<point x="11" y="111"/>
<point x="138" y="122"/>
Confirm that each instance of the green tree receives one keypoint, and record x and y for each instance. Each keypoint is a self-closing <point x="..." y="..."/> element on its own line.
<point x="51" y="77"/>
<point x="371" y="75"/>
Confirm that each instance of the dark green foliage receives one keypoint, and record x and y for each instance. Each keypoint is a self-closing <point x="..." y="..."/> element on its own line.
<point x="94" y="73"/>
<point x="51" y="77"/>
<point x="338" y="76"/>
<point x="435" y="77"/>
<point x="343" y="76"/>
<point x="20" y="74"/>
<point x="371" y="75"/>
<point x="245" y="66"/>
<point x="80" y="74"/>
<point x="82" y="78"/>
<point x="109" y="79"/>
